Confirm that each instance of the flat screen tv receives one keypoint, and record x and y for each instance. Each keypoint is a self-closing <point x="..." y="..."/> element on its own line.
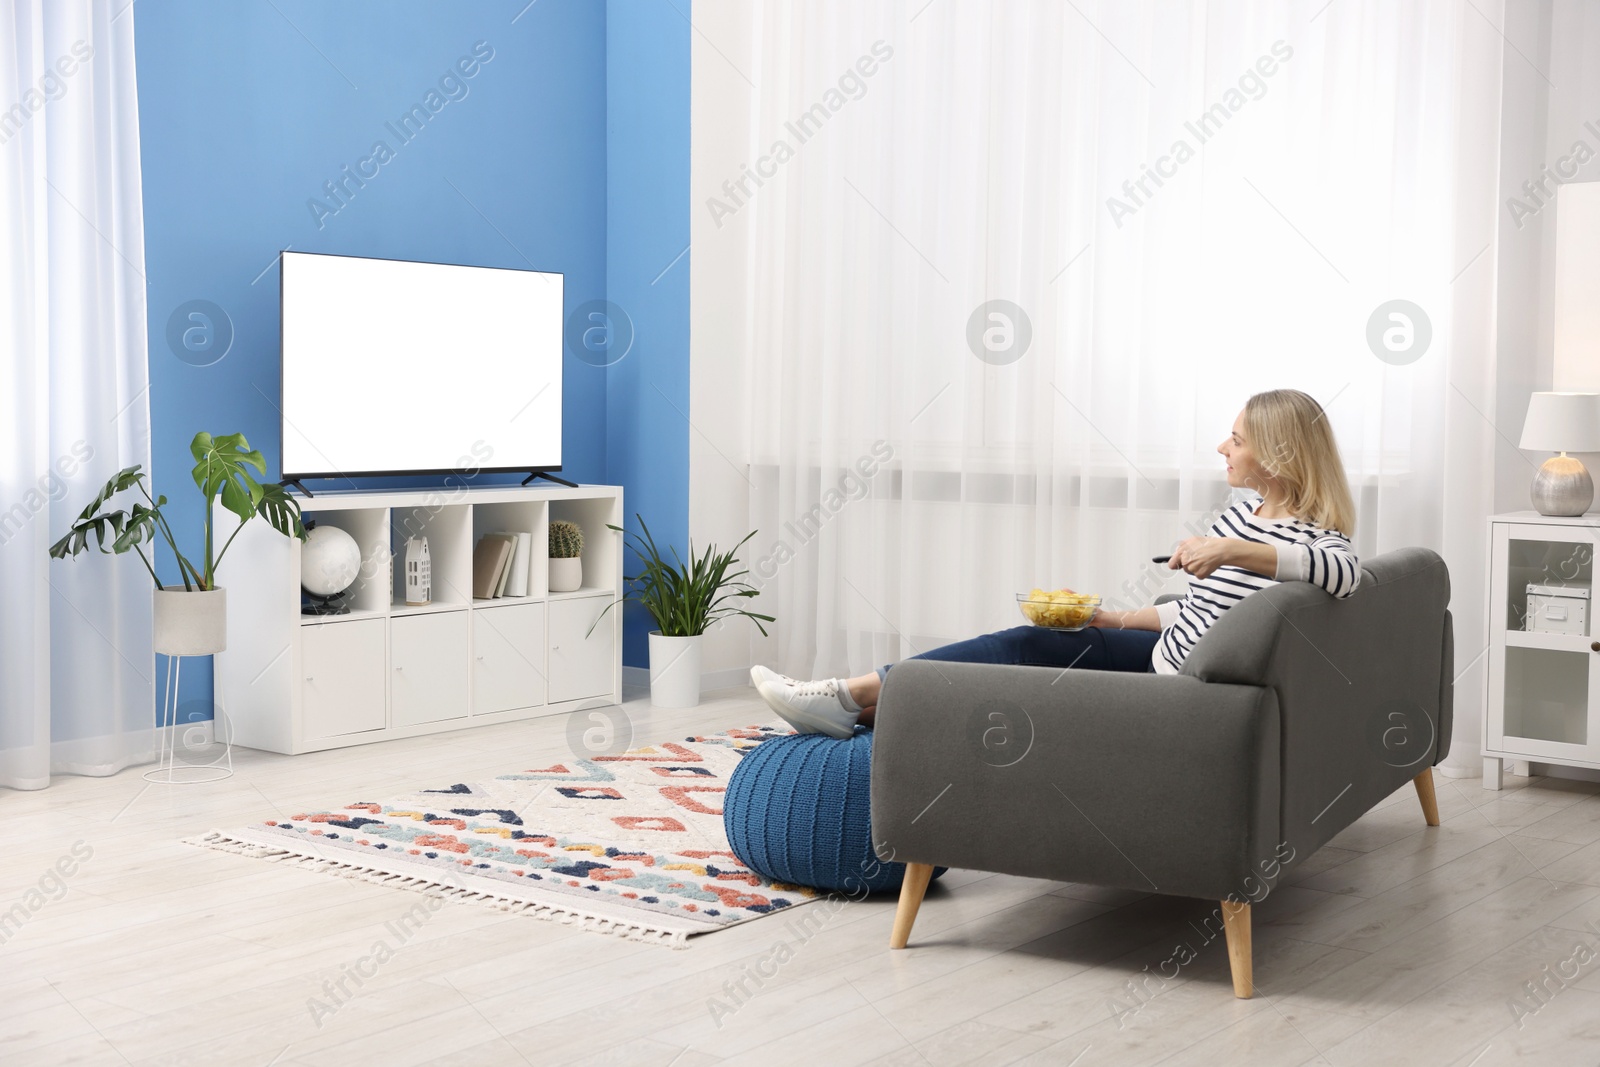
<point x="394" y="367"/>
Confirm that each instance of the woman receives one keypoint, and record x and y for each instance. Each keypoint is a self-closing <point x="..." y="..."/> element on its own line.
<point x="1295" y="527"/>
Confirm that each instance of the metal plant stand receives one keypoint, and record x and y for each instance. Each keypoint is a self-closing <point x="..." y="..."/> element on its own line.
<point x="170" y="770"/>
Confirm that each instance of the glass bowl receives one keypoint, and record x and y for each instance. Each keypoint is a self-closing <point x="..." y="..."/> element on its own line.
<point x="1058" y="611"/>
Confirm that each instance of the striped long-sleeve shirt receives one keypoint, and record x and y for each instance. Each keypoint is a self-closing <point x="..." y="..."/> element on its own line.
<point x="1305" y="554"/>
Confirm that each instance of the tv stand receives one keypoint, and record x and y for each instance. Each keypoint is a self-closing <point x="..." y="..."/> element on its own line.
<point x="548" y="475"/>
<point x="298" y="484"/>
<point x="385" y="668"/>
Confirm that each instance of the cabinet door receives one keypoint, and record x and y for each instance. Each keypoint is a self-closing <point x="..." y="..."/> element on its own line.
<point x="341" y="680"/>
<point x="507" y="658"/>
<point x="1543" y="665"/>
<point x="429" y="679"/>
<point x="582" y="666"/>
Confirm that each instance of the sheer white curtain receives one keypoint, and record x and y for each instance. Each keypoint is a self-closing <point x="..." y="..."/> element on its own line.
<point x="76" y="665"/>
<point x="1190" y="202"/>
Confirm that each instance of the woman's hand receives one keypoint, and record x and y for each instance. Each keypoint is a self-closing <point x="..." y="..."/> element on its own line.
<point x="1201" y="556"/>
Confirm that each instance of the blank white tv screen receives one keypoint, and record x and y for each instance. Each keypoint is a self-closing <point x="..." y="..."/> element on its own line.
<point x="391" y="367"/>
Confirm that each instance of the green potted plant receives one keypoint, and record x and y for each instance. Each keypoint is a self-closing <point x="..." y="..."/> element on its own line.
<point x="685" y="600"/>
<point x="191" y="621"/>
<point x="566" y="551"/>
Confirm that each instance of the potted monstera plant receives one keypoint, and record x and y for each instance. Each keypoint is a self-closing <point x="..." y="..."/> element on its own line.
<point x="193" y="620"/>
<point x="684" y="599"/>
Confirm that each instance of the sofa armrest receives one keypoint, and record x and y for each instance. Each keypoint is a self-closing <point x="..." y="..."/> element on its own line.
<point x="1364" y="685"/>
<point x="1161" y="783"/>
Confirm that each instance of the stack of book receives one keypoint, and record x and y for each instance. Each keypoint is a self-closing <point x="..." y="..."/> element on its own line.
<point x="500" y="565"/>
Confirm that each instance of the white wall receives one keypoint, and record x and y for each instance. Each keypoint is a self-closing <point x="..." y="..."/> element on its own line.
<point x="1551" y="231"/>
<point x="1577" y="283"/>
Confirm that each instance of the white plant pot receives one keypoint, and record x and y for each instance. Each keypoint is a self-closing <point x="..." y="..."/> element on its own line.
<point x="566" y="574"/>
<point x="674" y="671"/>
<point x="191" y="623"/>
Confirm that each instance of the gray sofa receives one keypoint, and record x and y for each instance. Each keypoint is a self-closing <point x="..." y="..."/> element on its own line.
<point x="1292" y="717"/>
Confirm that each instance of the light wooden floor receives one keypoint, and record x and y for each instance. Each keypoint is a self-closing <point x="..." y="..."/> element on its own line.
<point x="1395" y="944"/>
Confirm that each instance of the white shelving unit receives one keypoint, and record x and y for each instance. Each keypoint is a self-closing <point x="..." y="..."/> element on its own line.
<point x="1542" y="698"/>
<point x="301" y="683"/>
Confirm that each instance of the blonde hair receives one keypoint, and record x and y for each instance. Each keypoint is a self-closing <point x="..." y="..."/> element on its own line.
<point x="1290" y="437"/>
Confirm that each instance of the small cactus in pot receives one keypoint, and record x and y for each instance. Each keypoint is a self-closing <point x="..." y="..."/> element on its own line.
<point x="566" y="548"/>
<point x="566" y="540"/>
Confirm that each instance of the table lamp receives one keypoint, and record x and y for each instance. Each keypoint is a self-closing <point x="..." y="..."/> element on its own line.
<point x="1562" y="423"/>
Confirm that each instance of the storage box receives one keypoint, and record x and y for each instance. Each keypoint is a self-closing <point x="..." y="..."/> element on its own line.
<point x="1557" y="609"/>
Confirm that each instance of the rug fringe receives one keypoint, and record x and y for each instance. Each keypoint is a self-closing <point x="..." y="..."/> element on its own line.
<point x="583" y="920"/>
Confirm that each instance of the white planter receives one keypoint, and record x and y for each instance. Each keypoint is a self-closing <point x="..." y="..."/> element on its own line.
<point x="674" y="671"/>
<point x="191" y="623"/>
<point x="566" y="574"/>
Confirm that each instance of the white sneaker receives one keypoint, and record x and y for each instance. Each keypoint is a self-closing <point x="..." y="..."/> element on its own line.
<point x="759" y="674"/>
<point x="810" y="707"/>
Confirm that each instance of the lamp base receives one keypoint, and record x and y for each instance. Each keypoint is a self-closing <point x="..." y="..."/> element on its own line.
<point x="1562" y="487"/>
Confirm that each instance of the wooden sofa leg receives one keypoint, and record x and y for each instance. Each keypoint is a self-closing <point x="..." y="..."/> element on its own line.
<point x="911" y="891"/>
<point x="1430" y="803"/>
<point x="1236" y="922"/>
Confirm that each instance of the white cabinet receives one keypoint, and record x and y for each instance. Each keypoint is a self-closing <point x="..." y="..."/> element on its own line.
<point x="508" y="652"/>
<point x="342" y="678"/>
<point x="1543" y="698"/>
<point x="583" y="656"/>
<point x="388" y="669"/>
<point x="428" y="682"/>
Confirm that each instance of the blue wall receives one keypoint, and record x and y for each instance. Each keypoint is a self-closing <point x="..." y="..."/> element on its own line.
<point x="247" y="110"/>
<point x="647" y="274"/>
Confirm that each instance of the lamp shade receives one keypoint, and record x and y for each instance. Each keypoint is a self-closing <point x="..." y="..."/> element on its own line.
<point x="1562" y="422"/>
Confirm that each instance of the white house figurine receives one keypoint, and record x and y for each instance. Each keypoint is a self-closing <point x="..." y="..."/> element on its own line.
<point x="419" y="572"/>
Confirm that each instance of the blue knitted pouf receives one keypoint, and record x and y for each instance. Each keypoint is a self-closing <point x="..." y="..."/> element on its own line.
<point x="798" y="809"/>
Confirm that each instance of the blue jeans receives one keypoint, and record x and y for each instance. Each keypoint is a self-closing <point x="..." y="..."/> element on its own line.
<point x="1090" y="649"/>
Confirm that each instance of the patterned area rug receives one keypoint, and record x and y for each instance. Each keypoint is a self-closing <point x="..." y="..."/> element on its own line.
<point x="630" y="844"/>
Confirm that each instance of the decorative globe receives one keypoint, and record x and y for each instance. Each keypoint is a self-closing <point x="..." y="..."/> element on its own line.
<point x="330" y="560"/>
